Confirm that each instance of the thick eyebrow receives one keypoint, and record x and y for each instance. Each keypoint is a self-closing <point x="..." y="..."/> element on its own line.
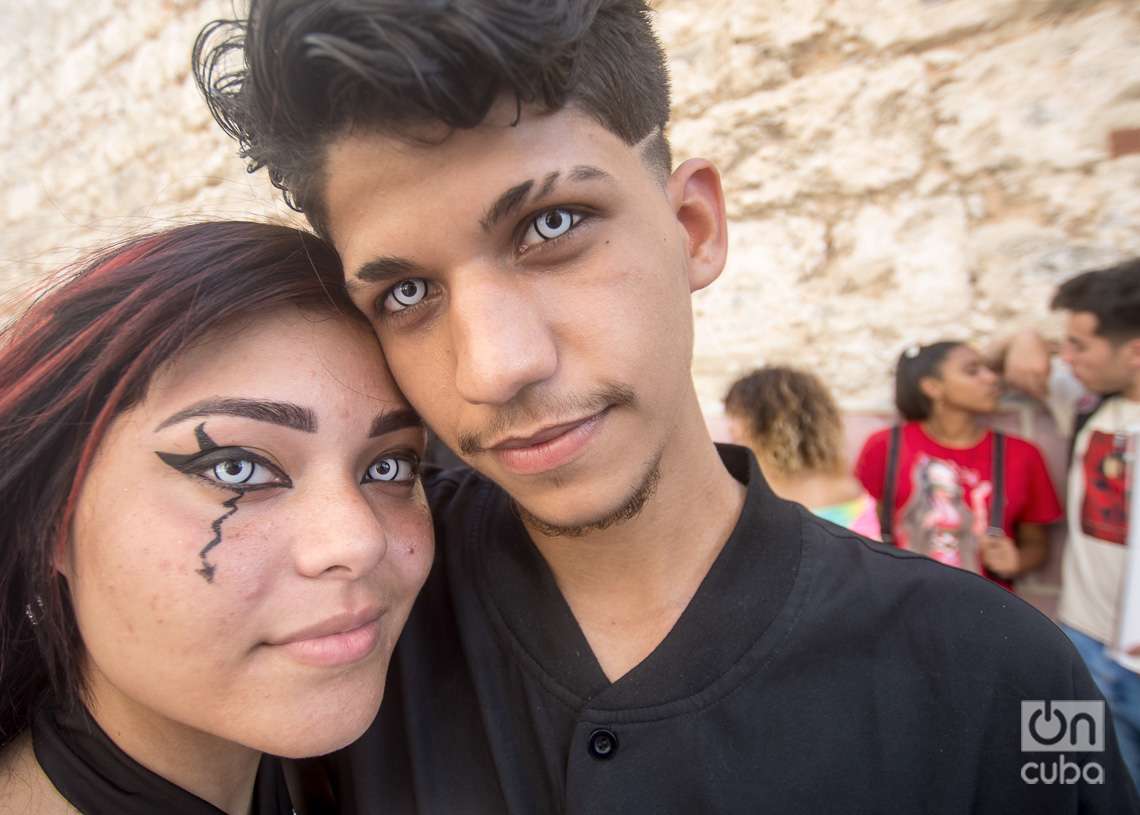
<point x="279" y="413"/>
<point x="390" y="269"/>
<point x="383" y="270"/>
<point x="505" y="204"/>
<point x="585" y="172"/>
<point x="393" y="420"/>
<point x="513" y="198"/>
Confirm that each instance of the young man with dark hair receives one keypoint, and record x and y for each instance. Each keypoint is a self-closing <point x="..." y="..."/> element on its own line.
<point x="622" y="617"/>
<point x="1095" y="394"/>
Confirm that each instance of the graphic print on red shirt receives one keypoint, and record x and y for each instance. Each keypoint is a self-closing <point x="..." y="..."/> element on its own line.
<point x="1104" y="511"/>
<point x="946" y="514"/>
<point x="943" y="494"/>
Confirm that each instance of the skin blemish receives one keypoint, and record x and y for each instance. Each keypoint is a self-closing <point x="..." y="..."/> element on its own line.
<point x="184" y="464"/>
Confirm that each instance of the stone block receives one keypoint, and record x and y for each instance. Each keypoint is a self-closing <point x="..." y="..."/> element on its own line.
<point x="909" y="24"/>
<point x="1019" y="265"/>
<point x="1035" y="100"/>
<point x="756" y="308"/>
<point x="902" y="264"/>
<point x="845" y="132"/>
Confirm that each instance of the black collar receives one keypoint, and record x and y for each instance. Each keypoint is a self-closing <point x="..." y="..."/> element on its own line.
<point x="739" y="598"/>
<point x="96" y="777"/>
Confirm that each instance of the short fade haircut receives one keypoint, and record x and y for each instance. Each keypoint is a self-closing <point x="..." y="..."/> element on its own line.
<point x="314" y="70"/>
<point x="1112" y="295"/>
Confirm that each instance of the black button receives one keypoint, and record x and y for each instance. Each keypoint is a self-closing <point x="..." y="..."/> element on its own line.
<point x="603" y="744"/>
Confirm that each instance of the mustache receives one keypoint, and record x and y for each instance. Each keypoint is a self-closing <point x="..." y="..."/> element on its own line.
<point x="529" y="410"/>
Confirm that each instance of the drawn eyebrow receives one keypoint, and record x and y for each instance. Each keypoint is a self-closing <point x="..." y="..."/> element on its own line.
<point x="285" y="414"/>
<point x="393" y="420"/>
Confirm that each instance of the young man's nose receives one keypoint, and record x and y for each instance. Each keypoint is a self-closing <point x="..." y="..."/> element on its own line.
<point x="501" y="338"/>
<point x="337" y="532"/>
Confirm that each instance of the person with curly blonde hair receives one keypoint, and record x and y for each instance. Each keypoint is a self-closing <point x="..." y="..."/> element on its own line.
<point x="791" y="422"/>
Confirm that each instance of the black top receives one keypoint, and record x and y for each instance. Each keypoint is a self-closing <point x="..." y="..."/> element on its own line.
<point x="813" y="671"/>
<point x="97" y="778"/>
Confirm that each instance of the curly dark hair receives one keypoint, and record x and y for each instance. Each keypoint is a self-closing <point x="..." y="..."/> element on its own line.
<point x="297" y="74"/>
<point x="792" y="417"/>
<point x="1112" y="295"/>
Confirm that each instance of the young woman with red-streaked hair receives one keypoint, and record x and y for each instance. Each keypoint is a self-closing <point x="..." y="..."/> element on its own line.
<point x="212" y="526"/>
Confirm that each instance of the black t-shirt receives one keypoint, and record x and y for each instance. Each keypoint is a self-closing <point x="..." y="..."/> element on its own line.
<point x="813" y="671"/>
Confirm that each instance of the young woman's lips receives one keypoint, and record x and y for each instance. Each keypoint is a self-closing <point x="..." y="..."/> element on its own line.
<point x="337" y="648"/>
<point x="550" y="448"/>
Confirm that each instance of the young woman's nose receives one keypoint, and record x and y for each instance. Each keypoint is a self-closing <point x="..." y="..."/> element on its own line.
<point x="337" y="532"/>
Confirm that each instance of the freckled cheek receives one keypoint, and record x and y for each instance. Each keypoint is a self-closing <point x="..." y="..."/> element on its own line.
<point x="411" y="548"/>
<point x="252" y="557"/>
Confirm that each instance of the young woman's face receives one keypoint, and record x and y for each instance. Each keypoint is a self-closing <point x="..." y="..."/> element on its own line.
<point x="250" y="538"/>
<point x="966" y="383"/>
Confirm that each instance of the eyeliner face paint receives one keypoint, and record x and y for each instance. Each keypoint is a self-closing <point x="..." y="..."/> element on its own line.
<point x="303" y="420"/>
<point x="183" y="462"/>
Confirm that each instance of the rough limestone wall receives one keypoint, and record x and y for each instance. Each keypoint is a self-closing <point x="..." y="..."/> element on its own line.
<point x="900" y="170"/>
<point x="894" y="169"/>
<point x="105" y="134"/>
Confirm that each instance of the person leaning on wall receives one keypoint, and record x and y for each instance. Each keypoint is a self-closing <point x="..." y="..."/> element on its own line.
<point x="948" y="485"/>
<point x="1092" y="386"/>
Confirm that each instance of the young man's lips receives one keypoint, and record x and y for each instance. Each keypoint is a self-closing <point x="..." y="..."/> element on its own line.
<point x="549" y="448"/>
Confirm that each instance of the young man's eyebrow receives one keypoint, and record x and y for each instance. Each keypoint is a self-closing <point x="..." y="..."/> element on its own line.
<point x="389" y="269"/>
<point x="383" y="270"/>
<point x="393" y="420"/>
<point x="585" y="172"/>
<point x="285" y="414"/>
<point x="513" y="198"/>
<point x="505" y="204"/>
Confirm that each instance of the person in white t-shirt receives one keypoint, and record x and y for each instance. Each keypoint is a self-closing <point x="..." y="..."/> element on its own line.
<point x="1094" y="393"/>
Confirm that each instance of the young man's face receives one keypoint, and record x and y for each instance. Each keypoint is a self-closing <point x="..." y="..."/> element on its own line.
<point x="1101" y="365"/>
<point x="531" y="288"/>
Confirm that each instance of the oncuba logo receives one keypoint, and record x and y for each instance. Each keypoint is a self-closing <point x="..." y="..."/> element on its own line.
<point x="1062" y="727"/>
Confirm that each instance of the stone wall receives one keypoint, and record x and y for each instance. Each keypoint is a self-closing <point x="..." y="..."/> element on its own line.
<point x="895" y="170"/>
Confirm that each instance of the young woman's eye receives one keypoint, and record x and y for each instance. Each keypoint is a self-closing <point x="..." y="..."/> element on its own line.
<point x="550" y="224"/>
<point x="392" y="468"/>
<point x="240" y="472"/>
<point x="405" y="294"/>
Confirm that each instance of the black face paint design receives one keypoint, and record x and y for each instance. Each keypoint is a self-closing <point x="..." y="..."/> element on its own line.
<point x="184" y="463"/>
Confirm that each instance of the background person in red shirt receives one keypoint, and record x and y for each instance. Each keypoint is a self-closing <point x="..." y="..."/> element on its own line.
<point x="944" y="488"/>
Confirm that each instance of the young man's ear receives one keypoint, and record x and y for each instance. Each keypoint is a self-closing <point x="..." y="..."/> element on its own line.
<point x="697" y="199"/>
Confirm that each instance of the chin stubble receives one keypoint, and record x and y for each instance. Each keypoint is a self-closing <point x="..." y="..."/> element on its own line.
<point x="626" y="512"/>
